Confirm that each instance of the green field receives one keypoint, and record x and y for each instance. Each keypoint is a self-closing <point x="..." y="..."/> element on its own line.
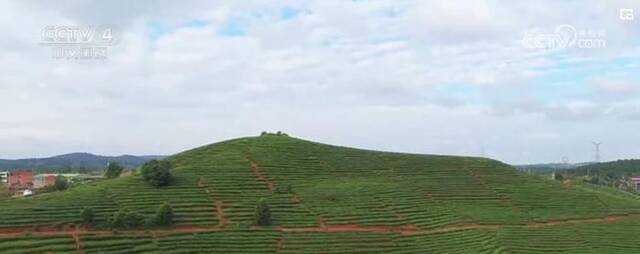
<point x="328" y="199"/>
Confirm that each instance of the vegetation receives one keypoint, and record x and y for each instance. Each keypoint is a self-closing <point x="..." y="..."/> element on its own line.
<point x="456" y="204"/>
<point x="86" y="215"/>
<point x="157" y="173"/>
<point x="164" y="215"/>
<point x="613" y="174"/>
<point x="619" y="168"/>
<point x="74" y="163"/>
<point x="558" y="177"/>
<point x="127" y="219"/>
<point x="61" y="183"/>
<point x="113" y="170"/>
<point x="263" y="213"/>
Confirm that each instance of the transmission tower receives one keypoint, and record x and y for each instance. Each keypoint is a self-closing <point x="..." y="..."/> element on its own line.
<point x="597" y="150"/>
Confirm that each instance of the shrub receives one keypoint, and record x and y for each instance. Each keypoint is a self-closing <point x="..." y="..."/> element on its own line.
<point x="263" y="213"/>
<point x="127" y="219"/>
<point x="157" y="173"/>
<point x="87" y="215"/>
<point x="164" y="215"/>
<point x="133" y="220"/>
<point x="61" y="183"/>
<point x="113" y="170"/>
<point x="117" y="221"/>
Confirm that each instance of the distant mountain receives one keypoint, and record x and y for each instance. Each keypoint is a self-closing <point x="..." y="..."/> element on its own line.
<point x="74" y="161"/>
<point x="619" y="168"/>
<point x="550" y="167"/>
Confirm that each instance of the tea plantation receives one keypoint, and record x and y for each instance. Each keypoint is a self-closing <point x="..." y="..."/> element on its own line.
<point x="328" y="199"/>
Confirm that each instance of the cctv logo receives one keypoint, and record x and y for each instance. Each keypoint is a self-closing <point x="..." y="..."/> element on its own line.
<point x="626" y="14"/>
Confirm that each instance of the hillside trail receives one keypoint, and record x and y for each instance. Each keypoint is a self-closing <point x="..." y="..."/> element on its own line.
<point x="76" y="237"/>
<point x="256" y="170"/>
<point x="608" y="218"/>
<point x="219" y="205"/>
<point x="75" y="231"/>
<point x="222" y="220"/>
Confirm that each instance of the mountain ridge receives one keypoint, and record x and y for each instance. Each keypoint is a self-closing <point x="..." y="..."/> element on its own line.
<point x="77" y="160"/>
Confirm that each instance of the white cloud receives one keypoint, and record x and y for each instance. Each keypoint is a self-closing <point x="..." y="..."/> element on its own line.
<point x="420" y="76"/>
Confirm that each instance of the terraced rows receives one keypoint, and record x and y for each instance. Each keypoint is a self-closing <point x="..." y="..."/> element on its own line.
<point x="314" y="186"/>
<point x="30" y="244"/>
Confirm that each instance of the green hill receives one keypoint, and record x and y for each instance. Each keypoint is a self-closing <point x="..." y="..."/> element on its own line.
<point x="74" y="162"/>
<point x="619" y="168"/>
<point x="328" y="199"/>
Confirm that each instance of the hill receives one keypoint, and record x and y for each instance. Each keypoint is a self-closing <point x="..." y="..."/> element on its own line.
<point x="74" y="161"/>
<point x="329" y="199"/>
<point x="620" y="168"/>
<point x="550" y="167"/>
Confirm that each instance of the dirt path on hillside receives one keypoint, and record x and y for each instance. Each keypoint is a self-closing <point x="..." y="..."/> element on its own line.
<point x="608" y="218"/>
<point x="76" y="238"/>
<point x="256" y="170"/>
<point x="75" y="231"/>
<point x="405" y="229"/>
<point x="222" y="220"/>
<point x="219" y="206"/>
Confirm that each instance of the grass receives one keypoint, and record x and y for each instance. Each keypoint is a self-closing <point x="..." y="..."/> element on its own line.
<point x="314" y="184"/>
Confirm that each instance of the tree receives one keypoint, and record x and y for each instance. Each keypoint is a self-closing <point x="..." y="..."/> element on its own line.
<point x="113" y="170"/>
<point x="61" y="183"/>
<point x="157" y="173"/>
<point x="164" y="215"/>
<point x="133" y="219"/>
<point x="87" y="215"/>
<point x="263" y="213"/>
<point x="117" y="221"/>
<point x="126" y="219"/>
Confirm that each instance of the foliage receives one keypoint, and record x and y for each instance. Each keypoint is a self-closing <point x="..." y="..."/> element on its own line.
<point x="619" y="169"/>
<point x="113" y="170"/>
<point x="127" y="219"/>
<point x="263" y="213"/>
<point x="335" y="185"/>
<point x="86" y="215"/>
<point x="61" y="183"/>
<point x="164" y="215"/>
<point x="157" y="173"/>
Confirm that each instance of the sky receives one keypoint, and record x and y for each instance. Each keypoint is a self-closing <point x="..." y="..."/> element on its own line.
<point x="518" y="81"/>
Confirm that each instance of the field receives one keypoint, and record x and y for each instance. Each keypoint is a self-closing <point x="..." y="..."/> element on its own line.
<point x="328" y="199"/>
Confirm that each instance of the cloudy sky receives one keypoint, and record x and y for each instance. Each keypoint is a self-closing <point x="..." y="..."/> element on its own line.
<point x="504" y="79"/>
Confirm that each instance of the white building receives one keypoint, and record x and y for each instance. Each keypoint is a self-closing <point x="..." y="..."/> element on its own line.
<point x="636" y="180"/>
<point x="4" y="177"/>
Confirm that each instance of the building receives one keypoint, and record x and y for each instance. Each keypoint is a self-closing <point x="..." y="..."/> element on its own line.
<point x="44" y="180"/>
<point x="636" y="182"/>
<point x="4" y="177"/>
<point x="20" y="179"/>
